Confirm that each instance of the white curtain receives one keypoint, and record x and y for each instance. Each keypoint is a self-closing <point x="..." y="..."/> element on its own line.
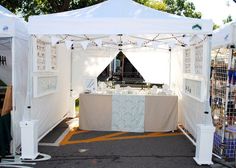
<point x="20" y="75"/>
<point x="152" y="64"/>
<point x="89" y="63"/>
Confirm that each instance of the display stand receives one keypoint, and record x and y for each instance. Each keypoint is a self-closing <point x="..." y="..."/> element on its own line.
<point x="29" y="139"/>
<point x="204" y="145"/>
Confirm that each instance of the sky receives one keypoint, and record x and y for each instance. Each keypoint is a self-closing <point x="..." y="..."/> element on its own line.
<point x="217" y="10"/>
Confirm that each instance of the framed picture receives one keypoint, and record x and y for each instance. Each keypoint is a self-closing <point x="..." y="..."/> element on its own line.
<point x="90" y="84"/>
<point x="193" y="88"/>
<point x="40" y="56"/>
<point x="44" y="85"/>
<point x="45" y="56"/>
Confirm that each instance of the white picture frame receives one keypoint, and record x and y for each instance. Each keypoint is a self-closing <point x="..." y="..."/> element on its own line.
<point x="194" y="88"/>
<point x="44" y="85"/>
<point x="45" y="57"/>
<point x="90" y="84"/>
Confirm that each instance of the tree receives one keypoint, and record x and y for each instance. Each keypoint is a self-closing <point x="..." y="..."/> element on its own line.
<point x="182" y="8"/>
<point x="215" y="26"/>
<point x="228" y="19"/>
<point x="159" y="5"/>
<point x="36" y="7"/>
<point x="178" y="7"/>
<point x="11" y="5"/>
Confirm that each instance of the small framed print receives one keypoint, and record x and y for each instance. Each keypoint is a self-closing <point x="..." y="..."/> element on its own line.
<point x="90" y="84"/>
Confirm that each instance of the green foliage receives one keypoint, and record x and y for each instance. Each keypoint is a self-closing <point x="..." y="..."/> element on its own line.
<point x="228" y="19"/>
<point x="11" y="5"/>
<point x="215" y="26"/>
<point x="178" y="7"/>
<point x="142" y="1"/>
<point x="182" y="8"/>
<point x="36" y="7"/>
<point x="159" y="5"/>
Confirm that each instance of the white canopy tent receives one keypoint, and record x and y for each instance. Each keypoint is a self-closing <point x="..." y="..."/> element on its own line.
<point x="224" y="36"/>
<point x="14" y="47"/>
<point x="99" y="32"/>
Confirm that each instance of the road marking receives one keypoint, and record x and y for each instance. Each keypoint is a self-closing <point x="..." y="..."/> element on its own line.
<point x="69" y="135"/>
<point x="112" y="137"/>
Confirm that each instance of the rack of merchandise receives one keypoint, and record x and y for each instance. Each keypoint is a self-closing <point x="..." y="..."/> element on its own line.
<point x="223" y="101"/>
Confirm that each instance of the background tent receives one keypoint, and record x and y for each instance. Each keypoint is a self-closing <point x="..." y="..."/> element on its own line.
<point x="224" y="36"/>
<point x="14" y="48"/>
<point x="128" y="26"/>
<point x="223" y="90"/>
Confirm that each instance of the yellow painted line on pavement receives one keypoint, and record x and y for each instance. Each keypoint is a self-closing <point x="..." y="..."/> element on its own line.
<point x="66" y="139"/>
<point x="101" y="138"/>
<point x="113" y="137"/>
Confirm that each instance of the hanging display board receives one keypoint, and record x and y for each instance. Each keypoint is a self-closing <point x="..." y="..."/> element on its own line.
<point x="44" y="85"/>
<point x="45" y="68"/>
<point x="187" y="61"/>
<point x="193" y="88"/>
<point x="40" y="56"/>
<point x="45" y="57"/>
<point x="198" y="63"/>
<point x="193" y="71"/>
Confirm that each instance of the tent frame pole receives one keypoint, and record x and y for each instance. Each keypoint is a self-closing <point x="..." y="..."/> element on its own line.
<point x="170" y="51"/>
<point x="13" y="96"/>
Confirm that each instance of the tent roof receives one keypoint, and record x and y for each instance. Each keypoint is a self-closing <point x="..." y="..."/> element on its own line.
<point x="5" y="12"/>
<point x="225" y="35"/>
<point x="11" y="25"/>
<point x="116" y="17"/>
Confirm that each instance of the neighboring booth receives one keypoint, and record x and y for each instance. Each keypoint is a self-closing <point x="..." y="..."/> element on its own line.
<point x="223" y="89"/>
<point x="175" y="50"/>
<point x="13" y="72"/>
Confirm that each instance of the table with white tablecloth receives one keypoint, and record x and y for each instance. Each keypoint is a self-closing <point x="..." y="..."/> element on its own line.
<point x="129" y="113"/>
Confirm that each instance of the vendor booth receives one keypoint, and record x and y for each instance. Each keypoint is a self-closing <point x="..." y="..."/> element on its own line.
<point x="223" y="89"/>
<point x="70" y="49"/>
<point x="13" y="72"/>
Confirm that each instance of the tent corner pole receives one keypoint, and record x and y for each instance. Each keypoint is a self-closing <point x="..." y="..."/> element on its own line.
<point x="13" y="97"/>
<point x="170" y="51"/>
<point x="208" y="73"/>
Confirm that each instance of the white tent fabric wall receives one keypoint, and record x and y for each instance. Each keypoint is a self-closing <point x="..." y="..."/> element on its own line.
<point x="52" y="108"/>
<point x="191" y="108"/>
<point x="16" y="74"/>
<point x="177" y="78"/>
<point x="20" y="75"/>
<point x="158" y="61"/>
<point x="89" y="63"/>
<point x="224" y="36"/>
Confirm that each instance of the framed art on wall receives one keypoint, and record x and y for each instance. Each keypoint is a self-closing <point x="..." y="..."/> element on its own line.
<point x="44" y="85"/>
